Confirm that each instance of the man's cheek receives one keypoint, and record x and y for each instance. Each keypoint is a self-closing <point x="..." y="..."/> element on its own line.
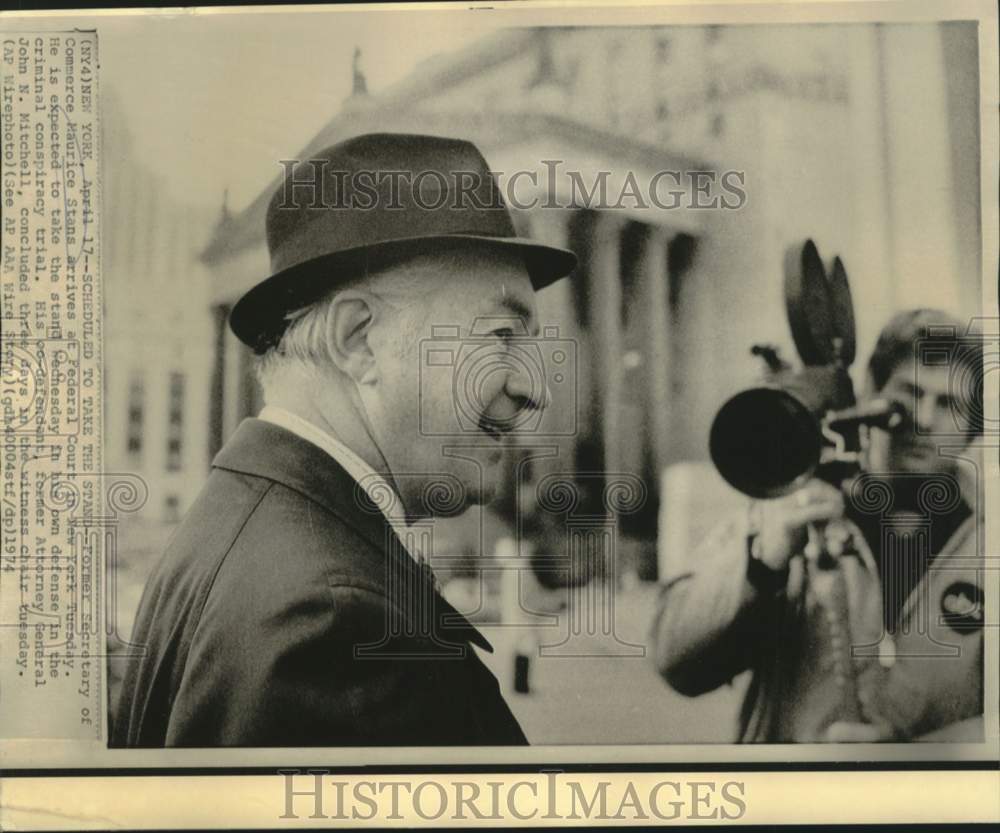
<point x="407" y="401"/>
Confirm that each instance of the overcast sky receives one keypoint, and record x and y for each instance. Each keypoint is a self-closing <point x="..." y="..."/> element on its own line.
<point x="214" y="99"/>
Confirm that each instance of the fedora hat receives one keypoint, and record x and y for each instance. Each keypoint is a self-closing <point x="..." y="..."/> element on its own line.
<point x="367" y="202"/>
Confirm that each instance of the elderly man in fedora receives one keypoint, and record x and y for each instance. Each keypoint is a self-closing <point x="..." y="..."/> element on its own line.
<point x="293" y="606"/>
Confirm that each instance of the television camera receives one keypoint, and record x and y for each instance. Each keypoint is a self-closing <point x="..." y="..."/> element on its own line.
<point x="768" y="440"/>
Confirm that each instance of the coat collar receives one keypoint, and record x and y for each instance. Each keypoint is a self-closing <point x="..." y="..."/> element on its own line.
<point x="263" y="449"/>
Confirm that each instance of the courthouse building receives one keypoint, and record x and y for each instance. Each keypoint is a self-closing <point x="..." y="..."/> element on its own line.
<point x="157" y="331"/>
<point x="863" y="138"/>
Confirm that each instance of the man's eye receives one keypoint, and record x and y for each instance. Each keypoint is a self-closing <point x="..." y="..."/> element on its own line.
<point x="946" y="402"/>
<point x="505" y="334"/>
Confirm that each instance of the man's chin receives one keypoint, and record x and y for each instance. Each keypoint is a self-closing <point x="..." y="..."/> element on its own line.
<point x="487" y="484"/>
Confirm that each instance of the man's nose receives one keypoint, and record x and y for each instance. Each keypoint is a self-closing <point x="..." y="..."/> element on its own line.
<point x="530" y="393"/>
<point x="925" y="414"/>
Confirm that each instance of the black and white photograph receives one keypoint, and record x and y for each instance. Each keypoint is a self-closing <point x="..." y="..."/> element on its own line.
<point x="444" y="385"/>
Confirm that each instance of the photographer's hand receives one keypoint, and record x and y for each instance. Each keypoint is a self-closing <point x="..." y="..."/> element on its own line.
<point x="783" y="520"/>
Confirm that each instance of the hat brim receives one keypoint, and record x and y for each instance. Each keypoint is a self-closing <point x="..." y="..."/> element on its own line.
<point x="259" y="317"/>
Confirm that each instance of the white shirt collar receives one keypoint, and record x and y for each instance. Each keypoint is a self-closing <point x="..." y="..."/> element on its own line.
<point x="374" y="484"/>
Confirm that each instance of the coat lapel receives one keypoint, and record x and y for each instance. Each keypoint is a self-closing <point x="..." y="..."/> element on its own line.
<point x="959" y="554"/>
<point x="263" y="449"/>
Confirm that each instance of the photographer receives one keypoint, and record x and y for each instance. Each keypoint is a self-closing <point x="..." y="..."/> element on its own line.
<point x="904" y="652"/>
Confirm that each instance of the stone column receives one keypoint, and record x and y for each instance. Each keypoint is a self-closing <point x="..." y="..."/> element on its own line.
<point x="231" y="384"/>
<point x="217" y="394"/>
<point x="604" y="280"/>
<point x="655" y="265"/>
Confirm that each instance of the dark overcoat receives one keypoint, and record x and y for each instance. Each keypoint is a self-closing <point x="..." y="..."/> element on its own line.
<point x="285" y="612"/>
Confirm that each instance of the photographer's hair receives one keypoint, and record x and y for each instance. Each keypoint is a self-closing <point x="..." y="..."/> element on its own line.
<point x="899" y="340"/>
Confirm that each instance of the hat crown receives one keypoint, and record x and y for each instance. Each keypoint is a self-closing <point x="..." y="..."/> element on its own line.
<point x="361" y="205"/>
<point x="378" y="187"/>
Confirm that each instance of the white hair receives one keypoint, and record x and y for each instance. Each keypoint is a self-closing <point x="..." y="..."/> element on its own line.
<point x="304" y="344"/>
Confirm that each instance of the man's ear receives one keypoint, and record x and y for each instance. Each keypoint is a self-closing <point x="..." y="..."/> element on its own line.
<point x="347" y="334"/>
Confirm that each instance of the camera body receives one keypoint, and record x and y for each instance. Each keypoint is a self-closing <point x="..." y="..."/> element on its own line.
<point x="767" y="441"/>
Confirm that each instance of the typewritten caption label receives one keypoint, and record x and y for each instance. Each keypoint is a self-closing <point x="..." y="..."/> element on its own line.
<point x="55" y="514"/>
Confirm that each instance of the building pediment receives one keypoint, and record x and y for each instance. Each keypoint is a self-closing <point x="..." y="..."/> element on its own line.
<point x="591" y="161"/>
